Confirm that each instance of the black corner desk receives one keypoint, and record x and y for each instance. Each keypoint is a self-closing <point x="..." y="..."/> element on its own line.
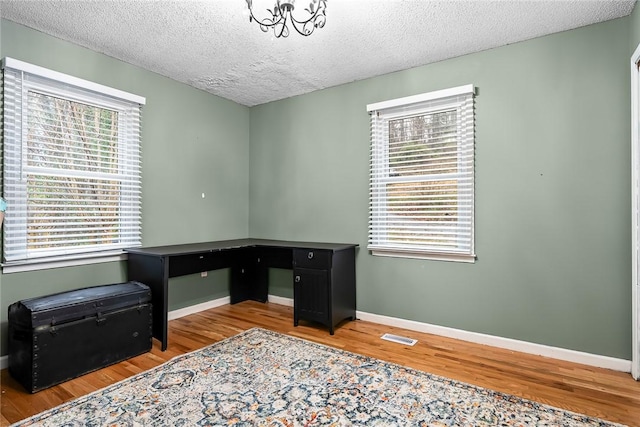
<point x="324" y="288"/>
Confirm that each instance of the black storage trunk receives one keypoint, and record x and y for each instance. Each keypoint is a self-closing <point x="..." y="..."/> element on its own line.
<point x="62" y="336"/>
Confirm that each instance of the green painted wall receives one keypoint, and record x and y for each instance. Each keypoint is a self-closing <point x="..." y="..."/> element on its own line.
<point x="552" y="190"/>
<point x="552" y="185"/>
<point x="634" y="22"/>
<point x="192" y="143"/>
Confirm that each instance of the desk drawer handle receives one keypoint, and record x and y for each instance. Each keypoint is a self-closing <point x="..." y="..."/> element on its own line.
<point x="310" y="255"/>
<point x="297" y="279"/>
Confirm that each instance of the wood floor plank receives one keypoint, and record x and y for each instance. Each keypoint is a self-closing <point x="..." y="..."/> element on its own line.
<point x="603" y="393"/>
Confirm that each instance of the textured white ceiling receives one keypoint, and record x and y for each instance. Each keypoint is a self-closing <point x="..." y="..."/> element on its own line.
<point x="211" y="45"/>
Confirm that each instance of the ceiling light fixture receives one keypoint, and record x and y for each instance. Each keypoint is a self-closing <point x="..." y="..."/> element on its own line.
<point x="282" y="17"/>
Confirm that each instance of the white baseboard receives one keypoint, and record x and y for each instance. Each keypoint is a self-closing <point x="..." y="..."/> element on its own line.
<point x="491" y="340"/>
<point x="475" y="337"/>
<point x="281" y="300"/>
<point x="181" y="312"/>
<point x="505" y="343"/>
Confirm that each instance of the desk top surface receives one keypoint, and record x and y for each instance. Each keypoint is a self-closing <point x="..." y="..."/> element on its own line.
<point x="221" y="245"/>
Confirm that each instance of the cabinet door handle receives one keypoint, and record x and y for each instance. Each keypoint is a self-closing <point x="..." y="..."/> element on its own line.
<point x="310" y="255"/>
<point x="297" y="279"/>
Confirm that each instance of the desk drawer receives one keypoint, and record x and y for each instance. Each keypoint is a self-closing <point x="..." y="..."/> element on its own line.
<point x="312" y="258"/>
<point x="196" y="263"/>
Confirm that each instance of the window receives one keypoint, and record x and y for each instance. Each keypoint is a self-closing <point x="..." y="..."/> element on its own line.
<point x="71" y="167"/>
<point x="421" y="182"/>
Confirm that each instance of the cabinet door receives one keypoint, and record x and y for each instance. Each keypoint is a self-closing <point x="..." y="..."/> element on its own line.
<point x="311" y="295"/>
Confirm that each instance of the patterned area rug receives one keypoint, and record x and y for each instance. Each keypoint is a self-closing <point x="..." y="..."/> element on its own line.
<point x="263" y="378"/>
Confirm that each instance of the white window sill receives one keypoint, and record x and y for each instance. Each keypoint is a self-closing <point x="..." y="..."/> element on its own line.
<point x="62" y="261"/>
<point x="399" y="253"/>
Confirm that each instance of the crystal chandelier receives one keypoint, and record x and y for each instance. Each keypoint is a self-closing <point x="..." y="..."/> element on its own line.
<point x="282" y="16"/>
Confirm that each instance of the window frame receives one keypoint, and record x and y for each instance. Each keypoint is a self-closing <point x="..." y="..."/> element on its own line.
<point x="54" y="84"/>
<point x="413" y="106"/>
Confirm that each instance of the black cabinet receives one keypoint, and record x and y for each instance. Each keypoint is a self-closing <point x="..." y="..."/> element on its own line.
<point x="311" y="295"/>
<point x="324" y="286"/>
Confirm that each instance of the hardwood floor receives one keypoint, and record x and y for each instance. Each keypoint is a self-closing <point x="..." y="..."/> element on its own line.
<point x="611" y="395"/>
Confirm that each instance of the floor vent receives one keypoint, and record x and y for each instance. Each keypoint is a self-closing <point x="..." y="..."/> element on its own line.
<point x="399" y="339"/>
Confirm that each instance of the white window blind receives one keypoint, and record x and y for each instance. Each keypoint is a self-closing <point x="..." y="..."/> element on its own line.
<point x="71" y="165"/>
<point x="422" y="176"/>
